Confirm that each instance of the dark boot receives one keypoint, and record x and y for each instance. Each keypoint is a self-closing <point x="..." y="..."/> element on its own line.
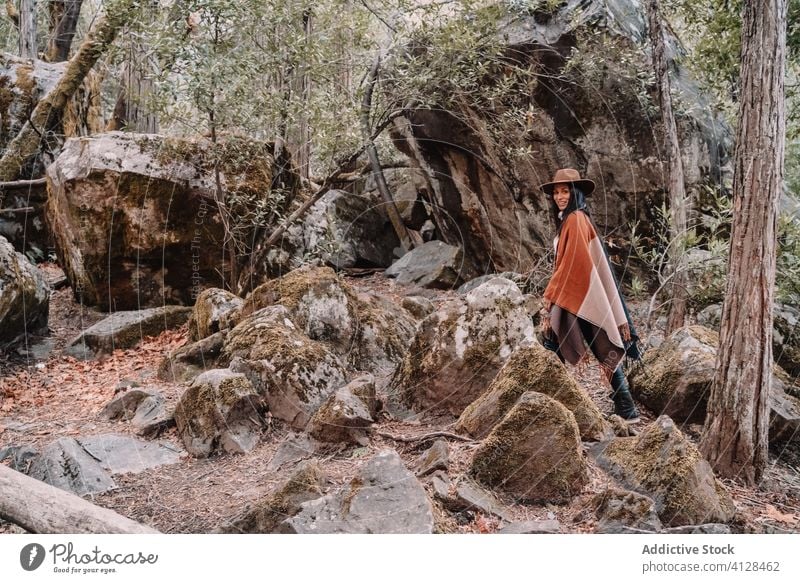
<point x="623" y="400"/>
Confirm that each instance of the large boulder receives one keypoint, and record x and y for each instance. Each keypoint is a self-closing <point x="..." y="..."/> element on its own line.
<point x="675" y="380"/>
<point x="370" y="332"/>
<point x="294" y="373"/>
<point x="24" y="295"/>
<point x="577" y="115"/>
<point x="459" y="349"/>
<point x="348" y="230"/>
<point x="534" y="453"/>
<point x="383" y="498"/>
<point x="664" y="465"/>
<point x="127" y="329"/>
<point x="532" y="368"/>
<point x="134" y="217"/>
<point x="219" y="411"/>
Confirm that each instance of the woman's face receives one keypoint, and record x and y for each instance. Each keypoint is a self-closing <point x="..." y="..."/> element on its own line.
<point x="561" y="195"/>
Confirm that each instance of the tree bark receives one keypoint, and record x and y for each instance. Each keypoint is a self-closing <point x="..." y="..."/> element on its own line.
<point x="41" y="508"/>
<point x="678" y="201"/>
<point x="735" y="434"/>
<point x="64" y="16"/>
<point x="48" y="109"/>
<point x="27" y="29"/>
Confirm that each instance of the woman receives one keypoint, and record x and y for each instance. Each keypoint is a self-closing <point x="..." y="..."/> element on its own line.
<point x="582" y="300"/>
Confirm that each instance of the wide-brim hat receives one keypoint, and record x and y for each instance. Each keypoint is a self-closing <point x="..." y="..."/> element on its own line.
<point x="568" y="175"/>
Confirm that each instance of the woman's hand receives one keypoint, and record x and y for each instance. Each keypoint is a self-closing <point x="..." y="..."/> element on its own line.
<point x="625" y="332"/>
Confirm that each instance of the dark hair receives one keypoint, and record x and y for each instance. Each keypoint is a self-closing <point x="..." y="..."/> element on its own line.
<point x="577" y="201"/>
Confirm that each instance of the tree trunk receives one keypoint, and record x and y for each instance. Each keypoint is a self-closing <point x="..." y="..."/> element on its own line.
<point x="63" y="22"/>
<point x="678" y="201"/>
<point x="27" y="29"/>
<point x="735" y="435"/>
<point x="42" y="508"/>
<point x="48" y="109"/>
<point x="130" y="113"/>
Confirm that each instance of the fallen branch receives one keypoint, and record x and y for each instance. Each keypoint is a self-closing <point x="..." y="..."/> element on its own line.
<point x="24" y="209"/>
<point x="42" y="508"/>
<point x="22" y="183"/>
<point x="425" y="437"/>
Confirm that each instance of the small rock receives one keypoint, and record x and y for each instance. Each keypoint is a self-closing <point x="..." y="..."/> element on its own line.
<point x="420" y="307"/>
<point x="621" y="511"/>
<point x="343" y="418"/>
<point x="22" y="456"/>
<point x="470" y="496"/>
<point x="65" y="464"/>
<point x="437" y="457"/>
<point x="710" y="528"/>
<point x="295" y="448"/>
<point x="153" y="416"/>
<point x="124" y="405"/>
<point x="121" y="454"/>
<point x="209" y="311"/>
<point x="185" y="363"/>
<point x="440" y="482"/>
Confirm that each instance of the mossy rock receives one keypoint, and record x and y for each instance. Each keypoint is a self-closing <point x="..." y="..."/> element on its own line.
<point x="458" y="350"/>
<point x="532" y="368"/>
<point x="24" y="295"/>
<point x="210" y="310"/>
<point x="186" y="362"/>
<point x="383" y="334"/>
<point x="294" y="373"/>
<point x="664" y="465"/>
<point x="342" y="418"/>
<point x="306" y="483"/>
<point x="219" y="411"/>
<point x="534" y="453"/>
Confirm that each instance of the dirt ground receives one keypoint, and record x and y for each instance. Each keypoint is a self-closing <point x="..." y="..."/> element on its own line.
<point x="45" y="395"/>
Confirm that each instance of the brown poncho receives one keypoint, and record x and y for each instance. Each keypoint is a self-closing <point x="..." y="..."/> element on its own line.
<point x="583" y="287"/>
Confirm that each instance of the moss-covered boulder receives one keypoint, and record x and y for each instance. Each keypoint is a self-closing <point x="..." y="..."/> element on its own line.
<point x="342" y="418"/>
<point x="458" y="349"/>
<point x="305" y="483"/>
<point x="366" y="330"/>
<point x="127" y="329"/>
<point x="134" y="217"/>
<point x="532" y="368"/>
<point x="534" y="453"/>
<point x="210" y="310"/>
<point x="294" y="373"/>
<point x="219" y="411"/>
<point x="675" y="380"/>
<point x="24" y="295"/>
<point x="663" y="464"/>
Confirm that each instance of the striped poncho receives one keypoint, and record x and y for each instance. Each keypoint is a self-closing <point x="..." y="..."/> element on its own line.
<point x="583" y="287"/>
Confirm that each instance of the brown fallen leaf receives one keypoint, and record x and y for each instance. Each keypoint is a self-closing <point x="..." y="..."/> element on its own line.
<point x="774" y="514"/>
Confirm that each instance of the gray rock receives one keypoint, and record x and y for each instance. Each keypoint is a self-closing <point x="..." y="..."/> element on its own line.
<point x="458" y="350"/>
<point x="209" y="312"/>
<point x="305" y="483"/>
<point x="624" y="511"/>
<point x="21" y="456"/>
<point x="408" y="187"/>
<point x="186" y="362"/>
<point x="384" y="497"/>
<point x="153" y="416"/>
<point x="348" y="230"/>
<point x="65" y="464"/>
<point x="295" y="448"/>
<point x="343" y="418"/>
<point x="437" y="457"/>
<point x="663" y="464"/>
<point x="440" y="482"/>
<point x="532" y="527"/>
<point x="385" y="332"/>
<point x="124" y="405"/>
<point x="534" y="453"/>
<point x="479" y="281"/>
<point x="434" y="264"/>
<point x="419" y="307"/>
<point x="25" y="297"/>
<point x="219" y="410"/>
<point x="470" y="496"/>
<point x="121" y="454"/>
<point x="127" y="329"/>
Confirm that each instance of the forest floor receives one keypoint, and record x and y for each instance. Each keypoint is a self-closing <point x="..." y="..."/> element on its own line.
<point x="45" y="395"/>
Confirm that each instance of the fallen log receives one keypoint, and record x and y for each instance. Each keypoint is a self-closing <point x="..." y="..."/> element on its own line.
<point x="44" y="509"/>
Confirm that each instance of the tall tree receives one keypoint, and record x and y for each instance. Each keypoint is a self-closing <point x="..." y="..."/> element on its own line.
<point x="27" y="29"/>
<point x="735" y="435"/>
<point x="63" y="22"/>
<point x="678" y="201"/>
